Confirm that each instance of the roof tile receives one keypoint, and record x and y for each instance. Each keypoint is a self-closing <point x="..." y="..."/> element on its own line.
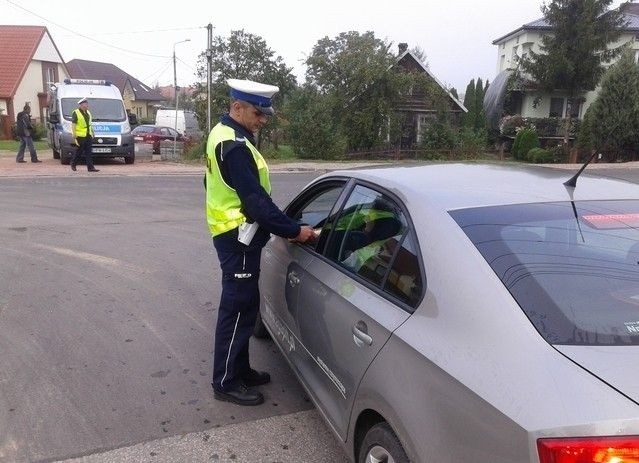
<point x="19" y="43"/>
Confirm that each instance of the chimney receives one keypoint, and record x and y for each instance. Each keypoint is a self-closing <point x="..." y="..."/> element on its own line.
<point x="402" y="47"/>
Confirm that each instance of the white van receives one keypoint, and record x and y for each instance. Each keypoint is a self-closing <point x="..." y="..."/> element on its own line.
<point x="187" y="123"/>
<point x="111" y="128"/>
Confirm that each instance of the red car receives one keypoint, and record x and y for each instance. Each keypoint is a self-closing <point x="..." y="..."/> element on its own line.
<point x="154" y="134"/>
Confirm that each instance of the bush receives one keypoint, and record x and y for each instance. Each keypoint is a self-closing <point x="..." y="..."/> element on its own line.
<point x="439" y="135"/>
<point x="540" y="156"/>
<point x="39" y="131"/>
<point x="525" y="140"/>
<point x="472" y="143"/>
<point x="195" y="151"/>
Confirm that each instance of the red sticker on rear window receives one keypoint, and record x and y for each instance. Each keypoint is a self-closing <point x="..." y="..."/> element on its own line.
<point x="607" y="221"/>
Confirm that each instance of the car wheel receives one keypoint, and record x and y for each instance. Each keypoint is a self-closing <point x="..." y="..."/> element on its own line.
<point x="381" y="445"/>
<point x="129" y="159"/>
<point x="64" y="159"/>
<point x="260" y="331"/>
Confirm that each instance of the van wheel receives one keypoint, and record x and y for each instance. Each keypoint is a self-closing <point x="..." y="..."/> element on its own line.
<point x="56" y="154"/>
<point x="381" y="444"/>
<point x="129" y="159"/>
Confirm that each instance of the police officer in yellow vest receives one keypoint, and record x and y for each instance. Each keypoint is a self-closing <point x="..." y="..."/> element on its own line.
<point x="83" y="135"/>
<point x="241" y="216"/>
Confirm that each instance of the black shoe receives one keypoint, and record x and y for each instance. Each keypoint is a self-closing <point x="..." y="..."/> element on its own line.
<point x="241" y="395"/>
<point x="21" y="160"/>
<point x="94" y="170"/>
<point x="256" y="378"/>
<point x="73" y="167"/>
<point x="37" y="160"/>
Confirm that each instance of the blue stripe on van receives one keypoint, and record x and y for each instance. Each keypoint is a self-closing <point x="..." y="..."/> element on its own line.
<point x="106" y="128"/>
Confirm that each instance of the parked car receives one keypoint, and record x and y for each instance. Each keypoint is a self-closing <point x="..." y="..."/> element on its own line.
<point x="154" y="134"/>
<point x="464" y="313"/>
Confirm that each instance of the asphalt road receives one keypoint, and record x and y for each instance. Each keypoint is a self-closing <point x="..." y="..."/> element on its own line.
<point x="108" y="296"/>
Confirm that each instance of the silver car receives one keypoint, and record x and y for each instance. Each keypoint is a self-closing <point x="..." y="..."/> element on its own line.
<point x="464" y="313"/>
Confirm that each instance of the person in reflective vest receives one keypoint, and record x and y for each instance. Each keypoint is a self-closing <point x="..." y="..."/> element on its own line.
<point x="241" y="216"/>
<point x="82" y="135"/>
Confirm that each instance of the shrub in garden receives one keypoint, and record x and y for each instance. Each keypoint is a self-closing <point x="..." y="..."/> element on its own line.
<point x="540" y="156"/>
<point x="525" y="140"/>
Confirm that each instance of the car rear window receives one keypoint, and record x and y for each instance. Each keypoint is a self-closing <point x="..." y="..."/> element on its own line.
<point x="143" y="129"/>
<point x="572" y="267"/>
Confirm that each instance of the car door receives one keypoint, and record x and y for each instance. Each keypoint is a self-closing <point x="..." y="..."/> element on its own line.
<point x="346" y="313"/>
<point x="283" y="263"/>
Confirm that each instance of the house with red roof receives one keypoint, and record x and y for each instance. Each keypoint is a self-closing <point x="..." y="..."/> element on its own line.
<point x="139" y="98"/>
<point x="29" y="63"/>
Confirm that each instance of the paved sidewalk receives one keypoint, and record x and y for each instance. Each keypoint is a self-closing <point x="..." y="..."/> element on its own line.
<point x="149" y="166"/>
<point x="50" y="167"/>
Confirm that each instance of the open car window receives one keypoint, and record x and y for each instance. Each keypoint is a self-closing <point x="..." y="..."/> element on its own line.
<point x="315" y="210"/>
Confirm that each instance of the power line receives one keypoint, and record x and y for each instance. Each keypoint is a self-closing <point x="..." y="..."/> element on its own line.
<point x="82" y="35"/>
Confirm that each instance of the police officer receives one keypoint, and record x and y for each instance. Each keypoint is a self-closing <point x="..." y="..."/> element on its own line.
<point x="83" y="135"/>
<point x="241" y="215"/>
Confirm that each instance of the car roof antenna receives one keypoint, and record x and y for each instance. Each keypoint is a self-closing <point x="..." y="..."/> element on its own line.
<point x="573" y="180"/>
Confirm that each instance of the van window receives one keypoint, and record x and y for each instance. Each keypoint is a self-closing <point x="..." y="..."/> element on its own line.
<point x="101" y="109"/>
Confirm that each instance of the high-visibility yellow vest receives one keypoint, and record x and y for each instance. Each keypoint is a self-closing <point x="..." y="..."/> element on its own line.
<point x="81" y="128"/>
<point x="222" y="202"/>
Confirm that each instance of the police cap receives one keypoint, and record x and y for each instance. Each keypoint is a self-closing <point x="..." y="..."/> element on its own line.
<point x="255" y="93"/>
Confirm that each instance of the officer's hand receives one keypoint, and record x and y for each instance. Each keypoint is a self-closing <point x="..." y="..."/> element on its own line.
<point x="306" y="233"/>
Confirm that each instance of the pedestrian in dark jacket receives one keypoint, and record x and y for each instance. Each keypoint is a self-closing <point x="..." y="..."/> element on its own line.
<point x="24" y="130"/>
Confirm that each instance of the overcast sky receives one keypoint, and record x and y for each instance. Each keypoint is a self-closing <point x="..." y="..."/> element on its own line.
<point x="139" y="36"/>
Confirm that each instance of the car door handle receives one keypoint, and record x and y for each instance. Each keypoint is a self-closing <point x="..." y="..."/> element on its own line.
<point x="360" y="335"/>
<point x="293" y="279"/>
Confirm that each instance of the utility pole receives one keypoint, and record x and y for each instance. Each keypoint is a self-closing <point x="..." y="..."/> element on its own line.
<point x="209" y="71"/>
<point x="175" y="88"/>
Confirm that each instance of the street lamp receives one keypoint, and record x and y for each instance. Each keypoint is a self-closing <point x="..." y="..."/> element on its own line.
<point x="175" y="88"/>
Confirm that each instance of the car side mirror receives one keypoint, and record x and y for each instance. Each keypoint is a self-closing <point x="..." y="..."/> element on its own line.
<point x="54" y="118"/>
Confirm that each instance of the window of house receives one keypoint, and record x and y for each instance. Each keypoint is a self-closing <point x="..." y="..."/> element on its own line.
<point x="556" y="107"/>
<point x="50" y="76"/>
<point x="575" y="108"/>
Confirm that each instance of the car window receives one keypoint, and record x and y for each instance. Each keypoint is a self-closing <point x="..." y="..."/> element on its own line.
<point x="315" y="210"/>
<point x="572" y="267"/>
<point x="371" y="238"/>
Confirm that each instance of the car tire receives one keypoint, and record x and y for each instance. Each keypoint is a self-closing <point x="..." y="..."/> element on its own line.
<point x="381" y="444"/>
<point x="260" y="331"/>
<point x="64" y="159"/>
<point x="129" y="159"/>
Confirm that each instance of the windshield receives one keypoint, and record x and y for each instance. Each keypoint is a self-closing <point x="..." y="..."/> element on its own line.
<point x="572" y="267"/>
<point x="101" y="109"/>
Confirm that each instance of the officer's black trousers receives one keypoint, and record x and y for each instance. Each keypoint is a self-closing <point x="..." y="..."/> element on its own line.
<point x="239" y="304"/>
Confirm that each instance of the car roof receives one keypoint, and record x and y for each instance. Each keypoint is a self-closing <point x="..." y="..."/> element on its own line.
<point x="463" y="185"/>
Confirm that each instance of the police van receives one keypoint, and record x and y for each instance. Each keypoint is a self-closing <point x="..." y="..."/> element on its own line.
<point x="111" y="128"/>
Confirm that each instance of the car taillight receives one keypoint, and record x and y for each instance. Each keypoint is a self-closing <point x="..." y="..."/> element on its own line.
<point x="589" y="450"/>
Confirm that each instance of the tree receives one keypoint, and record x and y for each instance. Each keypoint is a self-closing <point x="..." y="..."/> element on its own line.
<point x="313" y="131"/>
<point x="480" y="115"/>
<point x="420" y="54"/>
<point x="468" y="120"/>
<point x="242" y="56"/>
<point x="572" y="57"/>
<point x="355" y="70"/>
<point x="453" y="91"/>
<point x="612" y="122"/>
